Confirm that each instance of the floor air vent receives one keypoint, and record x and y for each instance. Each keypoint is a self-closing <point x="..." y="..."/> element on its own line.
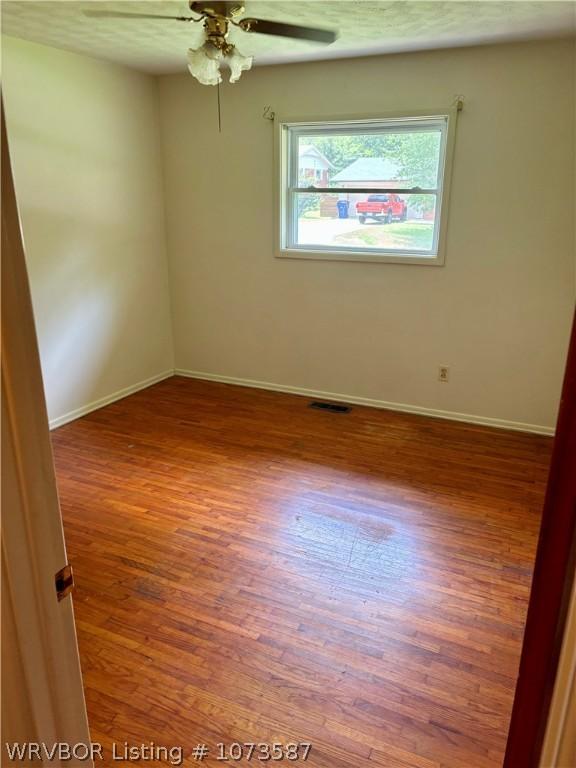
<point x="332" y="407"/>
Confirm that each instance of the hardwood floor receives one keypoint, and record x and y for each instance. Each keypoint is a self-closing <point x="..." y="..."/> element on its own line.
<point x="251" y="570"/>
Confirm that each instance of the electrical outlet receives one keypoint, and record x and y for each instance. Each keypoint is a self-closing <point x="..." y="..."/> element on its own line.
<point x="443" y="373"/>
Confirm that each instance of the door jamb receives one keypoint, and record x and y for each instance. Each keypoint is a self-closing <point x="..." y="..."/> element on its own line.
<point x="551" y="587"/>
<point x="51" y="708"/>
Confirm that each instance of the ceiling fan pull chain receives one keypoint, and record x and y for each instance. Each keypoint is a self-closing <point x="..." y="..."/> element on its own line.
<point x="219" y="110"/>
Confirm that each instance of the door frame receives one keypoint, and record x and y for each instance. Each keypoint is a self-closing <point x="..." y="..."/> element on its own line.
<point x="552" y="585"/>
<point x="43" y="696"/>
<point x="560" y="740"/>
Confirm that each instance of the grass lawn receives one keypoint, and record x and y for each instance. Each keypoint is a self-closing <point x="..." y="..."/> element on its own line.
<point x="406" y="235"/>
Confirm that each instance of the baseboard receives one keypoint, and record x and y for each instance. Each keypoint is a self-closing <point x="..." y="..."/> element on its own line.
<point x="354" y="400"/>
<point x="95" y="404"/>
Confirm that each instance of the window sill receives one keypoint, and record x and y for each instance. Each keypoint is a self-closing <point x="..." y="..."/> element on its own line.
<point x="361" y="256"/>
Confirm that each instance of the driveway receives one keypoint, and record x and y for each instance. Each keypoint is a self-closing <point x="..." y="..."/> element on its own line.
<point x="321" y="231"/>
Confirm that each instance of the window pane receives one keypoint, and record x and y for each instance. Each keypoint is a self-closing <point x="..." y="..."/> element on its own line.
<point x="377" y="159"/>
<point x="360" y="222"/>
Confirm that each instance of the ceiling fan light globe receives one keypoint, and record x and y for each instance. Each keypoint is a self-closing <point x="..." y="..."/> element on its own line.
<point x="204" y="64"/>
<point x="238" y="63"/>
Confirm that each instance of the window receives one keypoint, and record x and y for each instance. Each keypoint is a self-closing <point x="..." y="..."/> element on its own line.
<point x="365" y="189"/>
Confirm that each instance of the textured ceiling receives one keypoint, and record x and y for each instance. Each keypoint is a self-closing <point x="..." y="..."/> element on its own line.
<point x="365" y="26"/>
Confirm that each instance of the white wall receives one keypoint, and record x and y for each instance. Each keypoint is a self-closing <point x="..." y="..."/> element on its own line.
<point x="498" y="313"/>
<point x="84" y="141"/>
<point x="88" y="169"/>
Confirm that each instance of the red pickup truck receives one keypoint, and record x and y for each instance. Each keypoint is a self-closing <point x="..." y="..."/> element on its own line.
<point x="385" y="208"/>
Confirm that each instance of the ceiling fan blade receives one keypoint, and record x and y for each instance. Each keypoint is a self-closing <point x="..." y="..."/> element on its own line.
<point x="288" y="30"/>
<point x="121" y="15"/>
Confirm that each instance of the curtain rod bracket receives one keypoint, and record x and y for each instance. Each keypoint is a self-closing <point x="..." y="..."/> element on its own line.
<point x="268" y="113"/>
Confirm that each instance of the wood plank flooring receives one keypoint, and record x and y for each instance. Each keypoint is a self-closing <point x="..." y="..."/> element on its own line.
<point x="251" y="570"/>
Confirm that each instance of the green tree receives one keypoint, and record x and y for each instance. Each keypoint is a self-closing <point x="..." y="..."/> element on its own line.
<point x="416" y="155"/>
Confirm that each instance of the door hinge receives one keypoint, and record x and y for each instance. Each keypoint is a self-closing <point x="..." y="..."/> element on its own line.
<point x="64" y="581"/>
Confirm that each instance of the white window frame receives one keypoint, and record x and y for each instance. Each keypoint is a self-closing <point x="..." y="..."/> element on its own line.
<point x="286" y="160"/>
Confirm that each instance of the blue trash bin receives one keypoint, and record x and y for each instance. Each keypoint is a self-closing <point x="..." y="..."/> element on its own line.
<point x="342" y="209"/>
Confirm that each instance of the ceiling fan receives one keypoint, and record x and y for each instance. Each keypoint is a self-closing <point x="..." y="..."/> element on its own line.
<point x="204" y="62"/>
